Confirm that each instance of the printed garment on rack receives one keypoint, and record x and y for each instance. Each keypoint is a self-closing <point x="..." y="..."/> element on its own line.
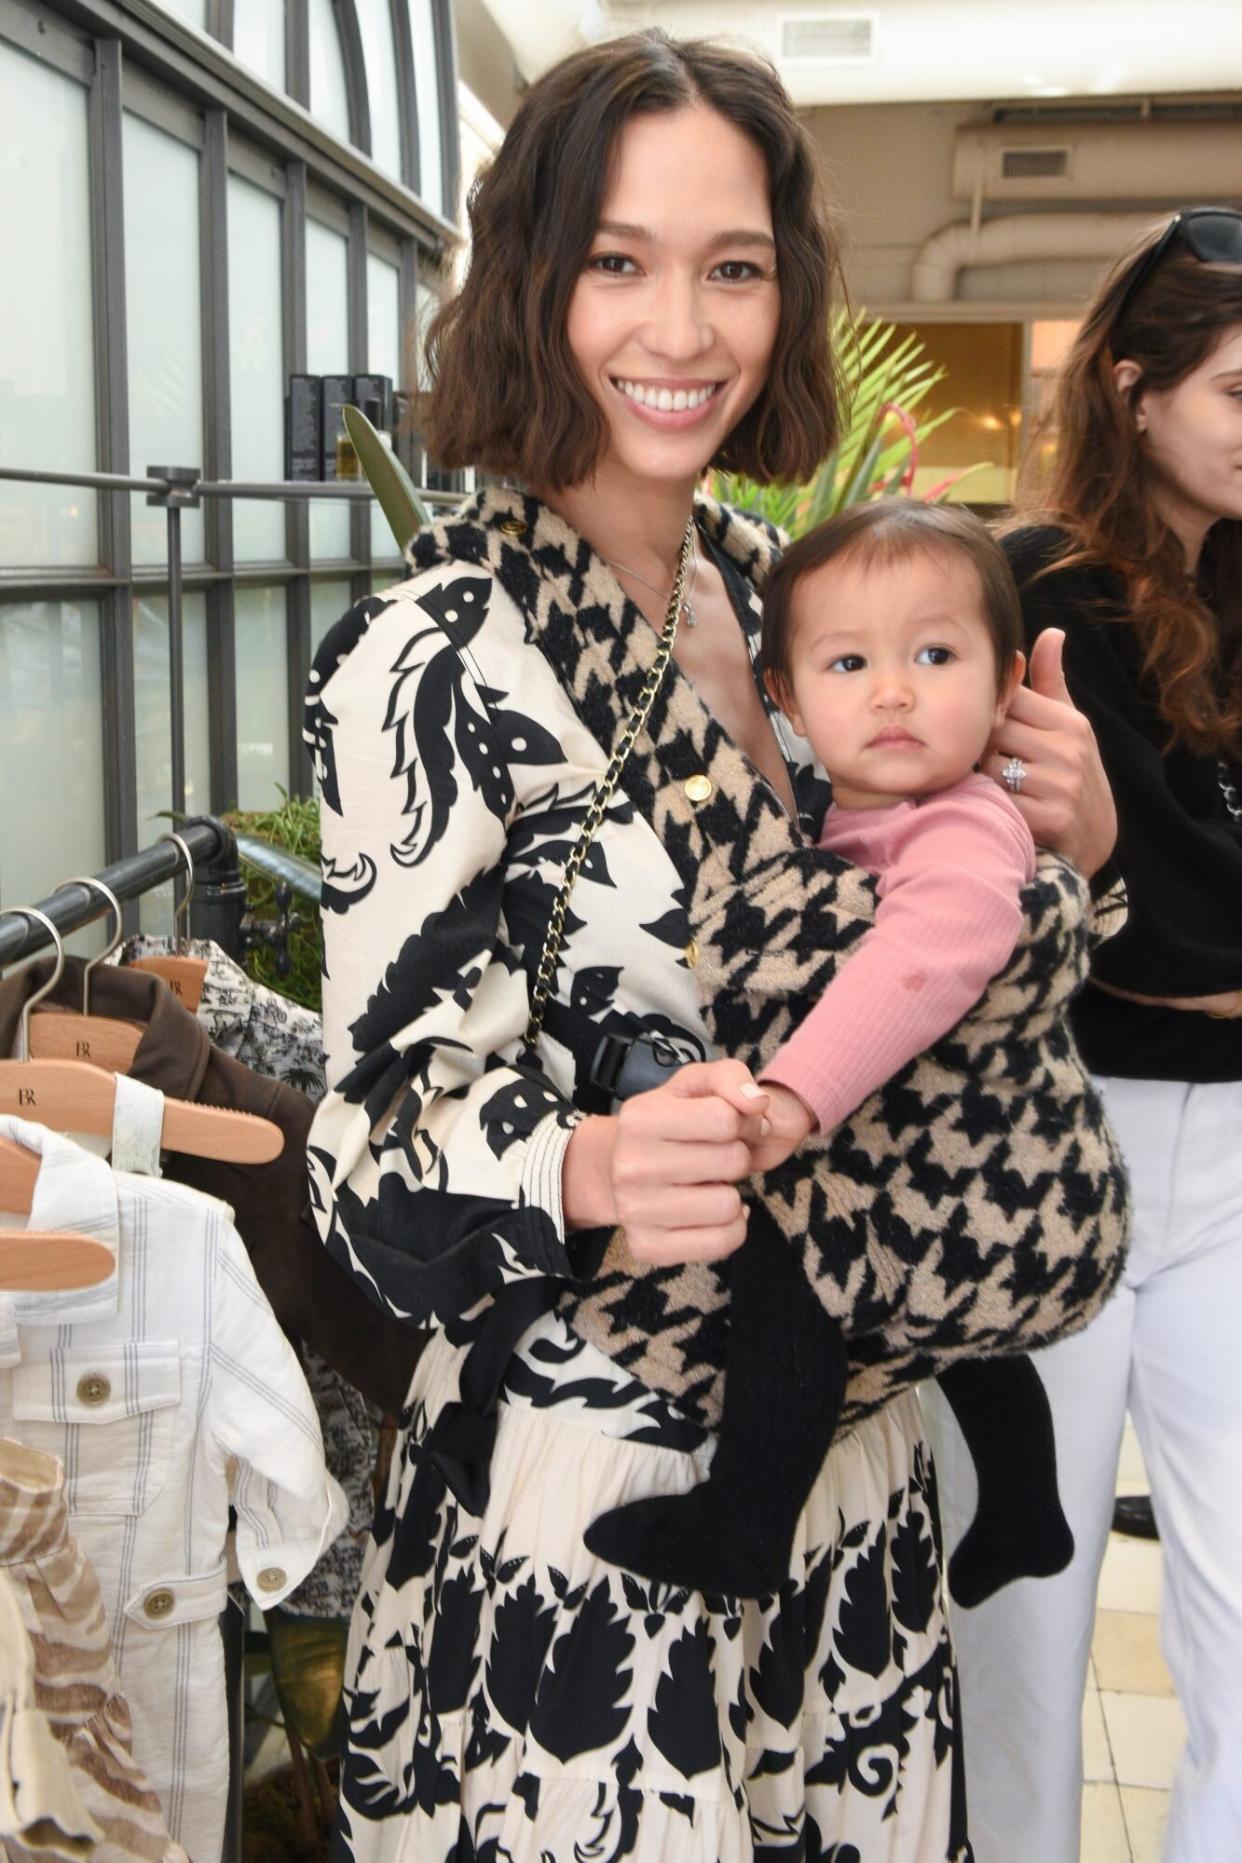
<point x="59" y="1689"/>
<point x="167" y="1391"/>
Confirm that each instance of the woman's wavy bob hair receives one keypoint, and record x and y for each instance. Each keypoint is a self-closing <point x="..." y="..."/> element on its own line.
<point x="505" y="394"/>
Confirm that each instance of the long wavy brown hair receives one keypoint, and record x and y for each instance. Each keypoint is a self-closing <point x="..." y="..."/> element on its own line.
<point x="505" y="392"/>
<point x="1103" y="490"/>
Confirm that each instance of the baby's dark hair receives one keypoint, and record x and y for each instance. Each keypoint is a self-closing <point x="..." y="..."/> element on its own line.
<point x="889" y="530"/>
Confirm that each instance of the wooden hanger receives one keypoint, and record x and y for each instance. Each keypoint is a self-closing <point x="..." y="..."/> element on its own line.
<point x="77" y="1096"/>
<point x="60" y="1034"/>
<point x="183" y="975"/>
<point x="43" y="1261"/>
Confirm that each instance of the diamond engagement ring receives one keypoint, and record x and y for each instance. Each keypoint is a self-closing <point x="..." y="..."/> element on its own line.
<point x="1013" y="775"/>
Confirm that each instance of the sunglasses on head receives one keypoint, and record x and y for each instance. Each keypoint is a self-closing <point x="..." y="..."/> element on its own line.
<point x="1213" y="235"/>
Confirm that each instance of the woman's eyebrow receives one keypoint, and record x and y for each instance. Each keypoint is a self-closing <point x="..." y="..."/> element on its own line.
<point x="736" y="236"/>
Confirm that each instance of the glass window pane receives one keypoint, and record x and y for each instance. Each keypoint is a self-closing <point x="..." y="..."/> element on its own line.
<point x="259" y="38"/>
<point x="51" y="748"/>
<point x="383" y="358"/>
<point x="427" y="95"/>
<point x="262" y="698"/>
<point x="329" y="97"/>
<point x="151" y="710"/>
<point x="163" y="317"/>
<point x="327" y="353"/>
<point x="193" y="12"/>
<point x="47" y="378"/>
<point x="256" y="365"/>
<point x="329" y="601"/>
<point x="380" y="56"/>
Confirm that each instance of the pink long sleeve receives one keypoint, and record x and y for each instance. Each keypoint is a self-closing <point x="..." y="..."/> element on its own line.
<point x="950" y="872"/>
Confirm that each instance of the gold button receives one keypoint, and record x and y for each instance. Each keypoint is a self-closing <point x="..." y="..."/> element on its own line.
<point x="512" y="527"/>
<point x="94" y="1389"/>
<point x="691" y="953"/>
<point x="271" y="1578"/>
<point x="158" y="1604"/>
<point x="699" y="787"/>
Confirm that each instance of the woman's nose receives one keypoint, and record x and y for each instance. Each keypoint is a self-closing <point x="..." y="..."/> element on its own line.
<point x="677" y="327"/>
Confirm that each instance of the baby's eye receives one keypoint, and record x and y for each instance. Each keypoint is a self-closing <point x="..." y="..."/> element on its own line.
<point x="933" y="656"/>
<point x="847" y="663"/>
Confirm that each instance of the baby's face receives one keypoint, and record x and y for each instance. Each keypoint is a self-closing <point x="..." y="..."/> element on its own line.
<point x="894" y="675"/>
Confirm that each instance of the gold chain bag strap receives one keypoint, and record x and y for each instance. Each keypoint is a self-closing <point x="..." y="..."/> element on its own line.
<point x="602" y="796"/>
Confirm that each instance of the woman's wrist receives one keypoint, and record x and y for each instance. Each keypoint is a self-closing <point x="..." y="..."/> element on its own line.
<point x="587" y="1195"/>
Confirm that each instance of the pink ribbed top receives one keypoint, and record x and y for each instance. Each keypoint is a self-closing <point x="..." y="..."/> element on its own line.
<point x="950" y="869"/>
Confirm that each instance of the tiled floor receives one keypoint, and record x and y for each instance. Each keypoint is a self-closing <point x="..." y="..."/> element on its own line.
<point x="1132" y="1724"/>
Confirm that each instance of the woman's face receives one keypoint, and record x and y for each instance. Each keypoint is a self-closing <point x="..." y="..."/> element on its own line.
<point x="1193" y="435"/>
<point x="673" y="320"/>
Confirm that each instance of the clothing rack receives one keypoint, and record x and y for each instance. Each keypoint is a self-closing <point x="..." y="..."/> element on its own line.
<point x="217" y="909"/>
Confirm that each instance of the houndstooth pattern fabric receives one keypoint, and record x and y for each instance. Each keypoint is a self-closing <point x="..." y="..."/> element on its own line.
<point x="977" y="1202"/>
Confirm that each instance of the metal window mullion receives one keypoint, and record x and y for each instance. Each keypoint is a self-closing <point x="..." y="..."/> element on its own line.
<point x="220" y="22"/>
<point x="359" y="362"/>
<point x="407" y="92"/>
<point x="297" y="51"/>
<point x="116" y="609"/>
<point x="350" y="34"/>
<point x="446" y="99"/>
<point x="218" y="462"/>
<point x="297" y="516"/>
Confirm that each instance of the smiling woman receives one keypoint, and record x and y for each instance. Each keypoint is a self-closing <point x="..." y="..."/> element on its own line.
<point x="648" y="294"/>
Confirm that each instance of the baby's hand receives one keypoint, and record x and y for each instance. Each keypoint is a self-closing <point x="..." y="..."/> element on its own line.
<point x="790" y="1120"/>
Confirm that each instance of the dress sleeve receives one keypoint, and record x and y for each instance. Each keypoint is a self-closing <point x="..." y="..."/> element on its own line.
<point x="947" y="922"/>
<point x="436" y="1155"/>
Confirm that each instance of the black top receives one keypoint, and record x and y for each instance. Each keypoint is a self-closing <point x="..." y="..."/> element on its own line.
<point x="1178" y="849"/>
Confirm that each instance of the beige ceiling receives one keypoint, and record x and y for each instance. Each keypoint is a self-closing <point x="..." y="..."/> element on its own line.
<point x="894" y="51"/>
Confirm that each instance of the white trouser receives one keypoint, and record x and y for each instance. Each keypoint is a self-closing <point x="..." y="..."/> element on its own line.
<point x="1167" y="1347"/>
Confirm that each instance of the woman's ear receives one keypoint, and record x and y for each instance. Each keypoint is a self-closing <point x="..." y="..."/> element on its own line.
<point x="1013" y="679"/>
<point x="1125" y="375"/>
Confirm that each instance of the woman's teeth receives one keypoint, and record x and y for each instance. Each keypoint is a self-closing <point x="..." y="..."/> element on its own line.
<point x="668" y="400"/>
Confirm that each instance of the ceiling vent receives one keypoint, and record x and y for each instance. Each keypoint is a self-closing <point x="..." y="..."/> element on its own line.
<point x="828" y="38"/>
<point x="1034" y="164"/>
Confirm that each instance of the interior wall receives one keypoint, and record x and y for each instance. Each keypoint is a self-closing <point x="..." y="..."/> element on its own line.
<point x="484" y="60"/>
<point x="889" y="168"/>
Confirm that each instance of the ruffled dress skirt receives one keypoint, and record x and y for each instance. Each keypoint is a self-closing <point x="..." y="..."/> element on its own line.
<point x="513" y="1700"/>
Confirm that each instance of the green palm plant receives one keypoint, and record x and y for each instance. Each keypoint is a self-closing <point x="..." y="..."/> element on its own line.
<point x="886" y="377"/>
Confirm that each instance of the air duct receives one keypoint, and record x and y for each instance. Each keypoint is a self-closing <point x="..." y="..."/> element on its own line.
<point x="1064" y="160"/>
<point x="1012" y="239"/>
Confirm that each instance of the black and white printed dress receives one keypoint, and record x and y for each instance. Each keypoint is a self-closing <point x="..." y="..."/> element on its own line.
<point x="512" y="1699"/>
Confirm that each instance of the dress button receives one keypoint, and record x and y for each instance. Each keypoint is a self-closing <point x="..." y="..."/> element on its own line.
<point x="271" y="1578"/>
<point x="699" y="787"/>
<point x="94" y="1389"/>
<point x="158" y="1604"/>
<point x="691" y="953"/>
<point x="512" y="527"/>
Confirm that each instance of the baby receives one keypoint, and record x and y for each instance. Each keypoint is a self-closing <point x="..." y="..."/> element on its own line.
<point x="891" y="641"/>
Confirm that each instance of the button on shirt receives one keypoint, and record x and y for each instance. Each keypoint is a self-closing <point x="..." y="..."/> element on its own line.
<point x="146" y="1387"/>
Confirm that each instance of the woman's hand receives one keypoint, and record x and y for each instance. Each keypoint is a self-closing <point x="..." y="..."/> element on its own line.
<point x="1065" y="798"/>
<point x="667" y="1166"/>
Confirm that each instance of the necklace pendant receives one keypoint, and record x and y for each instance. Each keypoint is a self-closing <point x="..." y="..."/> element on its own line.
<point x="692" y="620"/>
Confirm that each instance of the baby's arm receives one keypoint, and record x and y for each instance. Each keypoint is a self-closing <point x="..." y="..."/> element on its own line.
<point x="947" y="922"/>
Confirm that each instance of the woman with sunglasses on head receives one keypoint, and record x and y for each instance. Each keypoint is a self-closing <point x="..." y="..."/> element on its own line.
<point x="1140" y="564"/>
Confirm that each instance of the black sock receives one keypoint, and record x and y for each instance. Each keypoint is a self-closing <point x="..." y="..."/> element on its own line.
<point x="1019" y="1529"/>
<point x="784" y="1381"/>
